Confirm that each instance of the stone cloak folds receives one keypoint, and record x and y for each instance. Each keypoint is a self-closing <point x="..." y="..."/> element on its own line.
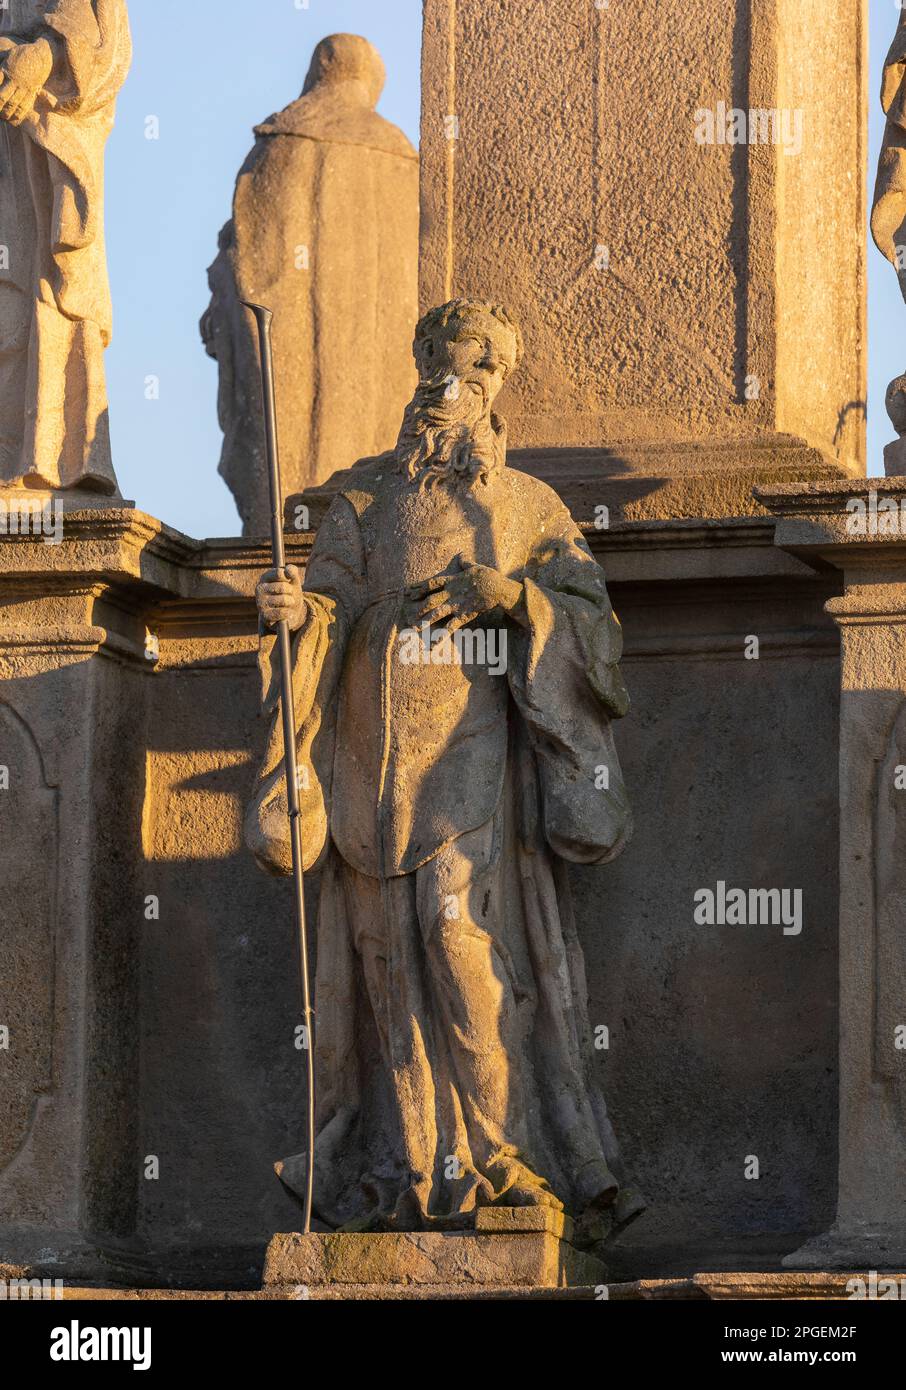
<point x="55" y="311"/>
<point x="888" y="214"/>
<point x="325" y="233"/>
<point x="424" y="785"/>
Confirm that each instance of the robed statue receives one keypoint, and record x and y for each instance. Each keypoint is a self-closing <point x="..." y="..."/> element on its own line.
<point x="62" y="63"/>
<point x="324" y="230"/>
<point x="455" y="666"/>
<point x="888" y="214"/>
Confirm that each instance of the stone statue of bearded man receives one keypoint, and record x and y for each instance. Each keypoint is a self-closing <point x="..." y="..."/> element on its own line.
<point x="442" y="792"/>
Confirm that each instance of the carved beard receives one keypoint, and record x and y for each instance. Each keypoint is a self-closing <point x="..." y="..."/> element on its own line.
<point x="450" y="436"/>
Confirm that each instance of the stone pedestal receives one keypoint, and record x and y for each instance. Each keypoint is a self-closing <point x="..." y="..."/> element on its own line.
<point x="860" y="529"/>
<point x="69" y="709"/>
<point x="129" y="651"/>
<point x="102" y="925"/>
<point x="146" y="749"/>
<point x="657" y="273"/>
<point x="501" y="1257"/>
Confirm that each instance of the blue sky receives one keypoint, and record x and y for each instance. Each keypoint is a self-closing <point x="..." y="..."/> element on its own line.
<point x="209" y="70"/>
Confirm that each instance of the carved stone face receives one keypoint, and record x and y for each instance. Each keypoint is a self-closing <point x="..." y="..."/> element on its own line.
<point x="347" y="60"/>
<point x="478" y="351"/>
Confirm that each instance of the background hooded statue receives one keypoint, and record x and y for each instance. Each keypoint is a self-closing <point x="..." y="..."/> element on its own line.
<point x="888" y="218"/>
<point x="63" y="64"/>
<point x="325" y="232"/>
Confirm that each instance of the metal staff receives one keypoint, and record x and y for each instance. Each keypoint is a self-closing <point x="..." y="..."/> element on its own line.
<point x="263" y="319"/>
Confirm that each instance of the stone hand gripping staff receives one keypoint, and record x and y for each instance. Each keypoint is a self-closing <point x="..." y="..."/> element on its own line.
<point x="263" y="319"/>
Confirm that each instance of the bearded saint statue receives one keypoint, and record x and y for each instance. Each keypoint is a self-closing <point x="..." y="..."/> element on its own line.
<point x="441" y="800"/>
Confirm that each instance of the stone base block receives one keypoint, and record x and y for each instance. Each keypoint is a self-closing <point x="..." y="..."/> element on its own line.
<point x="524" y="1219"/>
<point x="429" y="1259"/>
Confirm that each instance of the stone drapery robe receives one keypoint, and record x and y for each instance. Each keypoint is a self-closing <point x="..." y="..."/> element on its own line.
<point x="55" y="310"/>
<point x="888" y="214"/>
<point x="325" y="232"/>
<point x="440" y="801"/>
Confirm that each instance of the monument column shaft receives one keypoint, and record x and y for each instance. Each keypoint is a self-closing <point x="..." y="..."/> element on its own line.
<point x="649" y="189"/>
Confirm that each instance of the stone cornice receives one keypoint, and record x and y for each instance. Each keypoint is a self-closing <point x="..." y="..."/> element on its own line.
<point x="819" y="522"/>
<point x="123" y="546"/>
<point x="122" y="549"/>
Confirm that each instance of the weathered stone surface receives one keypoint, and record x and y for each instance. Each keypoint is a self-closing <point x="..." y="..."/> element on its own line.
<point x="686" y="1100"/>
<point x="443" y="789"/>
<point x="325" y="232"/>
<point x="676" y="1094"/>
<point x="155" y="755"/>
<point x="73" y="1293"/>
<point x="860" y="530"/>
<point x="773" y="1287"/>
<point x="503" y="1219"/>
<point x="824" y="1286"/>
<point x="62" y="65"/>
<point x="637" y="481"/>
<point x="536" y="1259"/>
<point x="28" y="824"/>
<point x="76" y="1155"/>
<point x="657" y="278"/>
